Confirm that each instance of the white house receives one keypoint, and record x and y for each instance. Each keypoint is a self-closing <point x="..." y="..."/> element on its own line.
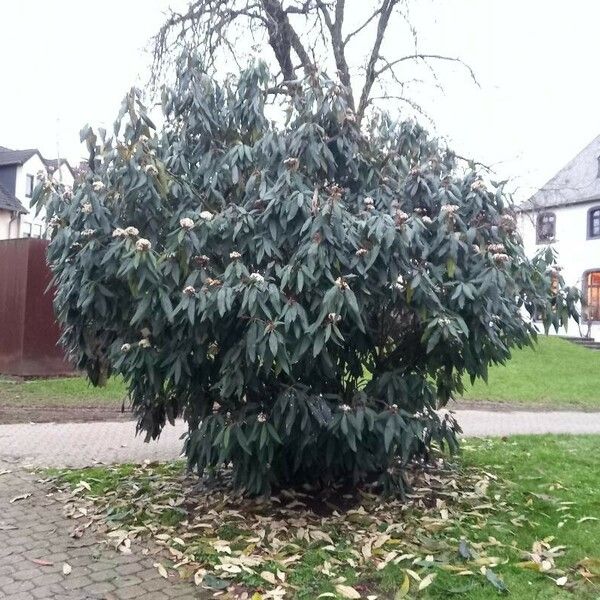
<point x="18" y="178"/>
<point x="565" y="214"/>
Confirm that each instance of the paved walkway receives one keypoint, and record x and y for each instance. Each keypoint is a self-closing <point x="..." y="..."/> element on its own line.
<point x="35" y="546"/>
<point x="82" y="444"/>
<point x="35" y="541"/>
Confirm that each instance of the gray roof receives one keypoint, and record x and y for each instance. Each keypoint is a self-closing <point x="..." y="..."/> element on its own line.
<point x="576" y="183"/>
<point x="15" y="157"/>
<point x="10" y="202"/>
<point x="10" y="157"/>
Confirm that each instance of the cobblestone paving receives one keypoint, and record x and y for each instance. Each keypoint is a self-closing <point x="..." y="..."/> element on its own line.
<point x="33" y="529"/>
<point x="85" y="444"/>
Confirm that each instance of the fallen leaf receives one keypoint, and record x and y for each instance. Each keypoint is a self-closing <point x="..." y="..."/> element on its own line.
<point x="268" y="576"/>
<point x="404" y="588"/>
<point x="495" y="580"/>
<point x="41" y="562"/>
<point x="21" y="497"/>
<point x="347" y="591"/>
<point x="427" y="581"/>
<point x="161" y="570"/>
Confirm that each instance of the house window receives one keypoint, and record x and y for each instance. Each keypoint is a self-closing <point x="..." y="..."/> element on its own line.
<point x="29" y="185"/>
<point x="26" y="229"/>
<point x="36" y="231"/>
<point x="546" y="227"/>
<point x="592" y="295"/>
<point x="594" y="222"/>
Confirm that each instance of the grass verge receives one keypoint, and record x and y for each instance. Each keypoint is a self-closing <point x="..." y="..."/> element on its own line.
<point x="519" y="516"/>
<point x="63" y="391"/>
<point x="555" y="373"/>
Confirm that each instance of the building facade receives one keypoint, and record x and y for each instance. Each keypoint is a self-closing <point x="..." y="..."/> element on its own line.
<point x="19" y="171"/>
<point x="565" y="214"/>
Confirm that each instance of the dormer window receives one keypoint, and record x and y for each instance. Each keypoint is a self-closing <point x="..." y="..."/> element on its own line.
<point x="29" y="185"/>
<point x="594" y="222"/>
<point x="546" y="227"/>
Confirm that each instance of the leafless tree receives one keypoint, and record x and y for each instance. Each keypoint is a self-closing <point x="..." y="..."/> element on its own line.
<point x="303" y="35"/>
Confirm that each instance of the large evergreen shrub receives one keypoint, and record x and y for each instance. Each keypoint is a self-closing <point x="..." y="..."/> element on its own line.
<point x="305" y="292"/>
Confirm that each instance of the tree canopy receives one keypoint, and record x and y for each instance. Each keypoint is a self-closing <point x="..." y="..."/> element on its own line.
<point x="305" y="291"/>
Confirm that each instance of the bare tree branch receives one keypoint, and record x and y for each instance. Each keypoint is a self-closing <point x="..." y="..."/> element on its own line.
<point x="337" y="44"/>
<point x="424" y="57"/>
<point x="384" y="17"/>
<point x="301" y="34"/>
<point x="365" y="24"/>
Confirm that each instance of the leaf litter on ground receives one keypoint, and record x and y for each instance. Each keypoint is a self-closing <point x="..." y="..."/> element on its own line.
<point x="339" y="541"/>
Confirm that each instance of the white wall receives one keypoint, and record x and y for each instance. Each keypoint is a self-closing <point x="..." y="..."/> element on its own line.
<point x="5" y="217"/>
<point x="576" y="254"/>
<point x="33" y="225"/>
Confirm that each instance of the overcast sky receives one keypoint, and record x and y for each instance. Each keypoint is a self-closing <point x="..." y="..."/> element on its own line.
<point x="69" y="62"/>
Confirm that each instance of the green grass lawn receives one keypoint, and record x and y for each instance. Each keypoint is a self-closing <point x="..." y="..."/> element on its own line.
<point x="554" y="373"/>
<point x="64" y="391"/>
<point x="520" y="515"/>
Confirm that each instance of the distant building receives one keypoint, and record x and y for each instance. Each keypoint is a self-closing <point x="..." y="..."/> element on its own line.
<point x="565" y="214"/>
<point x="18" y="177"/>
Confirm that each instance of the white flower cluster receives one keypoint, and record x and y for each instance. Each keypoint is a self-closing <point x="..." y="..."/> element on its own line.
<point x="497" y="248"/>
<point x="151" y="170"/>
<point x="67" y="192"/>
<point x="143" y="245"/>
<point x="144" y="343"/>
<point x="444" y="321"/>
<point x="350" y="116"/>
<point x="369" y="203"/>
<point x="341" y="283"/>
<point x="262" y="417"/>
<point x="361" y="252"/>
<point x="427" y="220"/>
<point x="86" y="233"/>
<point x="478" y="184"/>
<point x="98" y="186"/>
<point x="54" y="221"/>
<point x="401" y="217"/>
<point x="127" y="232"/>
<point x="256" y="278"/>
<point x="400" y="283"/>
<point x="449" y="209"/>
<point x="476" y="249"/>
<point x="189" y="290"/>
<point x="334" y="317"/>
<point x="87" y="208"/>
<point x="501" y="258"/>
<point x="508" y="222"/>
<point x="125" y="348"/>
<point x="206" y="215"/>
<point x="186" y="223"/>
<point x="345" y="408"/>
<point x="235" y="255"/>
<point x="201" y="260"/>
<point x="293" y="164"/>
